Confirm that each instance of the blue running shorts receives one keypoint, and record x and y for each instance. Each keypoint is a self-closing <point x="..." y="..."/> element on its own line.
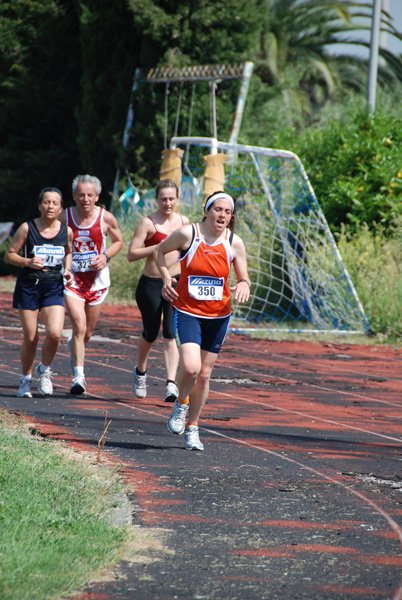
<point x="209" y="334"/>
<point x="34" y="294"/>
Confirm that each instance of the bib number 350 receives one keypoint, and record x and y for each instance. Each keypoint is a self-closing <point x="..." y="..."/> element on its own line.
<point x="205" y="288"/>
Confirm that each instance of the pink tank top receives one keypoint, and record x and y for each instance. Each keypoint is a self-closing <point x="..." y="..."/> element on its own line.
<point x="158" y="236"/>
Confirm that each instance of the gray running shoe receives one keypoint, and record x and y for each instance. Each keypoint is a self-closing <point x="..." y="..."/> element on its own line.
<point x="177" y="420"/>
<point x="70" y="358"/>
<point x="45" y="387"/>
<point x="192" y="439"/>
<point x="79" y="385"/>
<point x="139" y="384"/>
<point x="24" y="391"/>
<point x="171" y="392"/>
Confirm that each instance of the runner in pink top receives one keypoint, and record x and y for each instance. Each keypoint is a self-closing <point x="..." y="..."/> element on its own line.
<point x="149" y="233"/>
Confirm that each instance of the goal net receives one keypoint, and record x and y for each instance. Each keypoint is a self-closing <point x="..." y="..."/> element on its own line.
<point x="298" y="279"/>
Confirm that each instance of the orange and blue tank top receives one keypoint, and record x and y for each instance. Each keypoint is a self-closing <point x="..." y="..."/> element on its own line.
<point x="203" y="288"/>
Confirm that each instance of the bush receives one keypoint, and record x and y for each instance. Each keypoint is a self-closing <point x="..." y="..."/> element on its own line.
<point x="374" y="261"/>
<point x="355" y="167"/>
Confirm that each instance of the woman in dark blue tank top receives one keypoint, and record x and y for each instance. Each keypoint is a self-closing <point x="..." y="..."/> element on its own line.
<point x="46" y="246"/>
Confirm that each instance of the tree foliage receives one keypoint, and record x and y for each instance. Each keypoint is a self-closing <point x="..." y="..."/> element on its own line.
<point x="187" y="32"/>
<point x="109" y="55"/>
<point x="65" y="68"/>
<point x="294" y="61"/>
<point x="39" y="73"/>
<point x="66" y="71"/>
<point x="353" y="162"/>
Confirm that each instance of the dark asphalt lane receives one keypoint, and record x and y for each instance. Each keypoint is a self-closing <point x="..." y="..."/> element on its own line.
<point x="298" y="494"/>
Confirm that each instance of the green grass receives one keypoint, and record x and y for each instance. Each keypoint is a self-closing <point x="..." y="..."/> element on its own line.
<point x="374" y="262"/>
<point x="54" y="534"/>
<point x="124" y="275"/>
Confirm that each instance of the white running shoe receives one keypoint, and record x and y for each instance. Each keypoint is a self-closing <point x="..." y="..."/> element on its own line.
<point x="24" y="391"/>
<point x="70" y="358"/>
<point x="45" y="387"/>
<point x="171" y="392"/>
<point x="192" y="439"/>
<point x="79" y="385"/>
<point x="177" y="420"/>
<point x="139" y="384"/>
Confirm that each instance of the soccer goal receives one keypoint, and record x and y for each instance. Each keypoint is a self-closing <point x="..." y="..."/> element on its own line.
<point x="298" y="279"/>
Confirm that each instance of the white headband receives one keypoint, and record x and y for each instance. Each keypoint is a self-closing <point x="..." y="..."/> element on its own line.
<point x="216" y="197"/>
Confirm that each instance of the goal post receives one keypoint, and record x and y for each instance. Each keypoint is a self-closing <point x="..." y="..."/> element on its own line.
<point x="298" y="278"/>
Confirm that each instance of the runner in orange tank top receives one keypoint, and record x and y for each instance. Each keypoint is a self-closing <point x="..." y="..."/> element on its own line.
<point x="202" y="304"/>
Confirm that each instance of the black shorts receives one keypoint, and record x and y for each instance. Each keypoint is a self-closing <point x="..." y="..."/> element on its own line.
<point x="148" y="296"/>
<point x="34" y="294"/>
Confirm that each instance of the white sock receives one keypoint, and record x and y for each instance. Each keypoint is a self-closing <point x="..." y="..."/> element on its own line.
<point x="26" y="377"/>
<point x="78" y="371"/>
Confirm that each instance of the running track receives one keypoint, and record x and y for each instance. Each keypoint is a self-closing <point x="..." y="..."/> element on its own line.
<point x="298" y="494"/>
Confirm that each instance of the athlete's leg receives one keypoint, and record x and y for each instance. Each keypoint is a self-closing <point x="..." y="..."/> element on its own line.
<point x="149" y="301"/>
<point x="92" y="312"/>
<point x="200" y="391"/>
<point x="76" y="311"/>
<point x="143" y="350"/>
<point x="190" y="366"/>
<point x="171" y="356"/>
<point x="29" y="323"/>
<point x="53" y="317"/>
<point x="170" y="350"/>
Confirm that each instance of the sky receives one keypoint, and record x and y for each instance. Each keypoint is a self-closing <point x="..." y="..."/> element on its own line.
<point x="394" y="8"/>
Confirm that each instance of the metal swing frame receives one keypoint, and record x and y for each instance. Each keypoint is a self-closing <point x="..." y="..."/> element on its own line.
<point x="192" y="74"/>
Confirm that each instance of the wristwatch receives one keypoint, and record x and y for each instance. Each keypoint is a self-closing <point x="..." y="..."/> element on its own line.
<point x="107" y="257"/>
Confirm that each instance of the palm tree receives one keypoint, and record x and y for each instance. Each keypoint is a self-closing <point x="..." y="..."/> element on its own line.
<point x="294" y="54"/>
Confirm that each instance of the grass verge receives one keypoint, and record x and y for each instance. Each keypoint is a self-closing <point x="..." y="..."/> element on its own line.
<point x="55" y="532"/>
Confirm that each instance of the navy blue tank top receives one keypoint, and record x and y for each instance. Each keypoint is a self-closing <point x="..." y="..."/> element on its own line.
<point x="51" y="250"/>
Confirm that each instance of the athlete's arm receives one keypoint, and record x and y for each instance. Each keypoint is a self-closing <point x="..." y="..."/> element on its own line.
<point x="136" y="250"/>
<point x="113" y="230"/>
<point x="12" y="255"/>
<point x="68" y="276"/>
<point x="180" y="239"/>
<point x="242" y="288"/>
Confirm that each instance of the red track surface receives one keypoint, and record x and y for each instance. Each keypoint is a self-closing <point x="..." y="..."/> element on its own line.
<point x="299" y="491"/>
